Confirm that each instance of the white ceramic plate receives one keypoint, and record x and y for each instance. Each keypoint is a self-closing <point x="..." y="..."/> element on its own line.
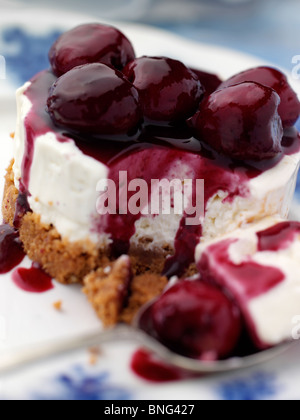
<point x="27" y="319"/>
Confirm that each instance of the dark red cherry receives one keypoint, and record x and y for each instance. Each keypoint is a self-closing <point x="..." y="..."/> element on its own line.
<point x="90" y="43"/>
<point x="196" y="319"/>
<point x="94" y="99"/>
<point x="169" y="91"/>
<point x="241" y="121"/>
<point x="209" y="81"/>
<point x="289" y="108"/>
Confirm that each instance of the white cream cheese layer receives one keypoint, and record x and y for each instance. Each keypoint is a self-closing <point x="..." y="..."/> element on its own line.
<point x="63" y="185"/>
<point x="62" y="180"/>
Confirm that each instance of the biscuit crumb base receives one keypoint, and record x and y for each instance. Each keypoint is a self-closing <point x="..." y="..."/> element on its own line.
<point x="10" y="196"/>
<point x="108" y="292"/>
<point x="143" y="289"/>
<point x="65" y="261"/>
<point x="117" y="296"/>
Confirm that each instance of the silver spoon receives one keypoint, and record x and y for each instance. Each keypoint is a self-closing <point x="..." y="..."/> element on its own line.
<point x="24" y="358"/>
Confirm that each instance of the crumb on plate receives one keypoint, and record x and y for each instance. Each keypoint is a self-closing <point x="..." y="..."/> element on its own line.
<point x="94" y="353"/>
<point x="57" y="305"/>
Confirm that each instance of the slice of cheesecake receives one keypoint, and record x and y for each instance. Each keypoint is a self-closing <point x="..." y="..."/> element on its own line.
<point x="116" y="155"/>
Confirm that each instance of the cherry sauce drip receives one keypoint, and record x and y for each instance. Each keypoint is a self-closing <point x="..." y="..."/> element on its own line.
<point x="11" y="250"/>
<point x="145" y="365"/>
<point x="33" y="280"/>
<point x="278" y="237"/>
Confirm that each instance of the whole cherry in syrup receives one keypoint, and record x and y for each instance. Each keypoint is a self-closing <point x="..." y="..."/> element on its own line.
<point x="169" y="91"/>
<point x="94" y="99"/>
<point x="90" y="43"/>
<point x="196" y="320"/>
<point x="289" y="108"/>
<point x="241" y="121"/>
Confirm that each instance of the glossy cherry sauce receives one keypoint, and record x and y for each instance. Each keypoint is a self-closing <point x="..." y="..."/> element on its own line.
<point x="157" y="153"/>
<point x="32" y="279"/>
<point x="11" y="250"/>
<point x="247" y="279"/>
<point x="145" y="365"/>
<point x="21" y="208"/>
<point x="12" y="254"/>
<point x="278" y="237"/>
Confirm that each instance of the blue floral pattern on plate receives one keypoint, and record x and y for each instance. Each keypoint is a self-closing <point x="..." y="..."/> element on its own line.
<point x="29" y="53"/>
<point x="261" y="385"/>
<point x="79" y="385"/>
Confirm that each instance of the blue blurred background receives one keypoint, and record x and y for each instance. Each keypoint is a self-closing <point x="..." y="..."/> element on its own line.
<point x="269" y="29"/>
<point x="266" y="28"/>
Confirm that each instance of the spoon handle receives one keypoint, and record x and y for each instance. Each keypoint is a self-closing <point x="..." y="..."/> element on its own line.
<point x="25" y="357"/>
